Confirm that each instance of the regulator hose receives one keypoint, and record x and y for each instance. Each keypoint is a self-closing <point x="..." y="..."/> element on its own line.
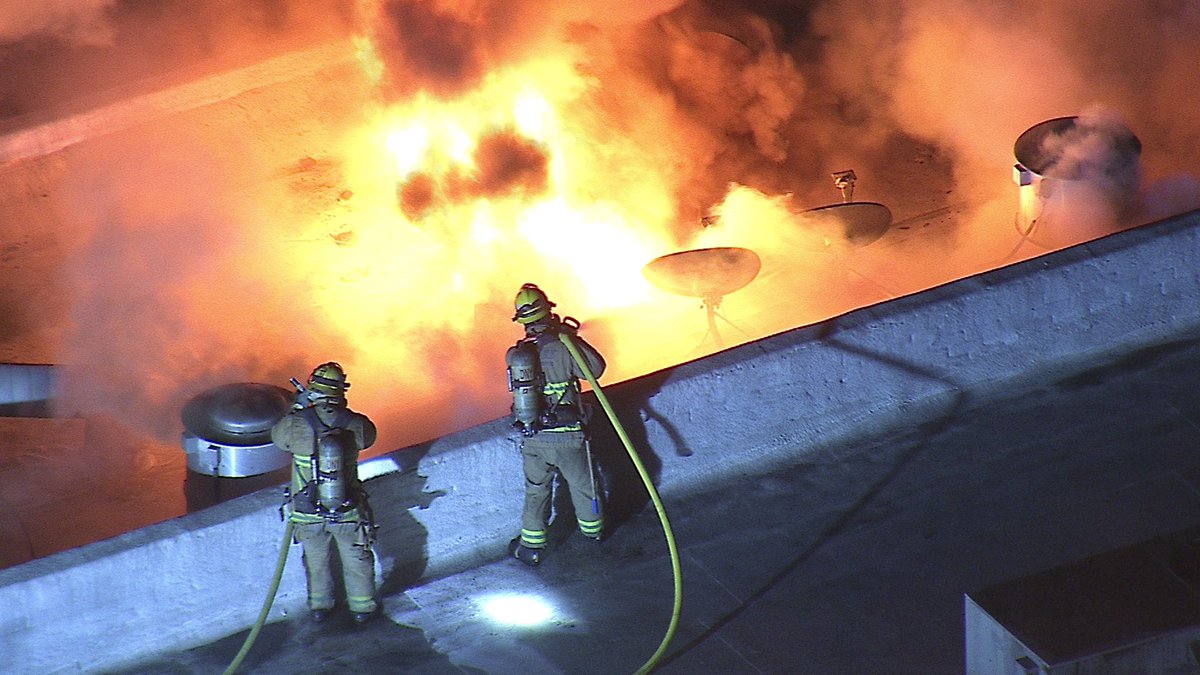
<point x="658" y="506"/>
<point x="266" y="608"/>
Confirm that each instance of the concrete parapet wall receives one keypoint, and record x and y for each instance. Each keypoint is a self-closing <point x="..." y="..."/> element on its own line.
<point x="454" y="503"/>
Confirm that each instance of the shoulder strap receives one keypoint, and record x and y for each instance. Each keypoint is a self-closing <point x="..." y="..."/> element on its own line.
<point x="318" y="426"/>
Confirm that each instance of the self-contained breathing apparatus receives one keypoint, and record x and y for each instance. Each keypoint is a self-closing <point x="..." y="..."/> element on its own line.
<point x="333" y="490"/>
<point x="525" y="381"/>
<point x="328" y="463"/>
<point x="536" y="405"/>
<point x="329" y="493"/>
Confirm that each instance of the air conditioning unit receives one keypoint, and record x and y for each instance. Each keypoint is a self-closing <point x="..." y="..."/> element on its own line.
<point x="1130" y="611"/>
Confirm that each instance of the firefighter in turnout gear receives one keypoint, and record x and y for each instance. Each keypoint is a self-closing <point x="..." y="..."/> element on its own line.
<point x="549" y="412"/>
<point x="325" y="500"/>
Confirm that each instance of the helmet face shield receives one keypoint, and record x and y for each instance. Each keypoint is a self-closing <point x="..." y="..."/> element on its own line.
<point x="531" y="304"/>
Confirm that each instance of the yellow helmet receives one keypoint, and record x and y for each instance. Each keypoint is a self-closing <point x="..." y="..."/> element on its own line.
<point x="531" y="304"/>
<point x="329" y="379"/>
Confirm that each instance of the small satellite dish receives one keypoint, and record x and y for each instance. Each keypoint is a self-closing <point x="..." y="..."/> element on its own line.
<point x="850" y="224"/>
<point x="705" y="273"/>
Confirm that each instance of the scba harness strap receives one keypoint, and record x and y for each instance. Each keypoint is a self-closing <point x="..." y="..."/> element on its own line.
<point x="330" y="493"/>
<point x="556" y="412"/>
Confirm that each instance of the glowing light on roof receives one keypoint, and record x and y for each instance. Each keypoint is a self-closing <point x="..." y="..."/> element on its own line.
<point x="517" y="610"/>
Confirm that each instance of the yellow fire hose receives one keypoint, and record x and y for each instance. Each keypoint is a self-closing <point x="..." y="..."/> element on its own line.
<point x="662" y="514"/>
<point x="266" y="608"/>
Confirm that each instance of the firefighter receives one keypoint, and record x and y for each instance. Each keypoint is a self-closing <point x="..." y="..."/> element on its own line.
<point x="325" y="499"/>
<point x="549" y="412"/>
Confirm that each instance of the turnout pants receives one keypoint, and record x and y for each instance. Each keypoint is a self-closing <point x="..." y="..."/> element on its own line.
<point x="543" y="453"/>
<point x="358" y="563"/>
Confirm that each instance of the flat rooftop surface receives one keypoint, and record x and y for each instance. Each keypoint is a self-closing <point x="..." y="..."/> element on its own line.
<point x="855" y="560"/>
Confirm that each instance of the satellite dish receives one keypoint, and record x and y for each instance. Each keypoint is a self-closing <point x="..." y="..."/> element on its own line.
<point x="851" y="224"/>
<point x="705" y="273"/>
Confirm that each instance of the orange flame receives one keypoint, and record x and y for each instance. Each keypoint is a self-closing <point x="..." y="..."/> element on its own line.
<point x="396" y="242"/>
<point x="449" y="205"/>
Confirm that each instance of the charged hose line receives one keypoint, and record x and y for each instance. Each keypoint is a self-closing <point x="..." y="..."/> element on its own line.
<point x="266" y="608"/>
<point x="658" y="506"/>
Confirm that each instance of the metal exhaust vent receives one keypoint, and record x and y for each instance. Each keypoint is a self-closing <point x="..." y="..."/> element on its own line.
<point x="227" y="430"/>
<point x="1076" y="178"/>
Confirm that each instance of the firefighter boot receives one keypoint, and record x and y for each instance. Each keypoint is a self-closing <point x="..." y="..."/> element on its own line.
<point x="527" y="555"/>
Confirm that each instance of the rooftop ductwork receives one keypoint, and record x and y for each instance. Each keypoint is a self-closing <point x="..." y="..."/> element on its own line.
<point x="1077" y="177"/>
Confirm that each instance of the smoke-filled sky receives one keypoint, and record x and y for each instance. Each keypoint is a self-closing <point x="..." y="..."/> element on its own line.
<point x="384" y="212"/>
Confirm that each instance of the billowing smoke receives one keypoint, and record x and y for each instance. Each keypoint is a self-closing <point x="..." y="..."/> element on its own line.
<point x="256" y="244"/>
<point x="62" y="57"/>
<point x="969" y="77"/>
<point x="1096" y="147"/>
<point x="75" y="22"/>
